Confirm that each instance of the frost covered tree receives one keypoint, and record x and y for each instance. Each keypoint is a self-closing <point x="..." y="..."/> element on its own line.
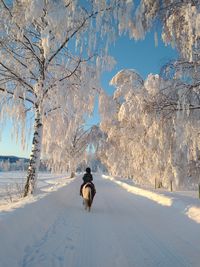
<point x="73" y="143"/>
<point x="141" y="142"/>
<point x="180" y="23"/>
<point x="68" y="150"/>
<point x="43" y="44"/>
<point x="178" y="101"/>
<point x="155" y="128"/>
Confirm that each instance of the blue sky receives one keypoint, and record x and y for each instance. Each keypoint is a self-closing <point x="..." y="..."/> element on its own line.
<point x="142" y="56"/>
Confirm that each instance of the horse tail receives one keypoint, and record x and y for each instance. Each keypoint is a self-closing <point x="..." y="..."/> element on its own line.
<point x="89" y="198"/>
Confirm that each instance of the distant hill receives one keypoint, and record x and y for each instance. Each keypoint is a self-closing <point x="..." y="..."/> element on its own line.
<point x="12" y="159"/>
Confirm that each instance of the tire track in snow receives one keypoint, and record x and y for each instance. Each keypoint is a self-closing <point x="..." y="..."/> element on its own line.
<point x="54" y="247"/>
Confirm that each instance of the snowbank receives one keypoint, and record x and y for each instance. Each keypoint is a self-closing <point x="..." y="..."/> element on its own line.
<point x="188" y="206"/>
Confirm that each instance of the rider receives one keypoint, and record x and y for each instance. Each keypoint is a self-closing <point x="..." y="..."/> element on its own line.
<point x="88" y="178"/>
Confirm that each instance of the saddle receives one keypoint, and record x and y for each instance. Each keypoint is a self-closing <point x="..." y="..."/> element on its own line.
<point x="89" y="185"/>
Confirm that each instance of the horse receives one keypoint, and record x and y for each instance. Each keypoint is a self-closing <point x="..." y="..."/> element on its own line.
<point x="87" y="196"/>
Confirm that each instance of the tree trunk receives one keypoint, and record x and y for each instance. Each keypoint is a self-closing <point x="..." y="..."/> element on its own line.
<point x="72" y="168"/>
<point x="35" y="155"/>
<point x="72" y="174"/>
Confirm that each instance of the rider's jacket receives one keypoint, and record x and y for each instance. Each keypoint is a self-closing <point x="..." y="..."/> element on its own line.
<point x="87" y="177"/>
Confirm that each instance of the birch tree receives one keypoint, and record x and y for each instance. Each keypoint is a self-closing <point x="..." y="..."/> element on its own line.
<point x="42" y="46"/>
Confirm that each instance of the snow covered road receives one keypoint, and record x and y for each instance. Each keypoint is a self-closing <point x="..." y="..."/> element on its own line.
<point x="122" y="230"/>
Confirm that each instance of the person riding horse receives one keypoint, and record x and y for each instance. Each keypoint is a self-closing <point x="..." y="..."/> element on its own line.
<point x="88" y="178"/>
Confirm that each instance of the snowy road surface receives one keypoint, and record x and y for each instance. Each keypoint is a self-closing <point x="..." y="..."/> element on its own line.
<point x="122" y="230"/>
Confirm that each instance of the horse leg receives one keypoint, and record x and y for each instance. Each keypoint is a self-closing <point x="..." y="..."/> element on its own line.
<point x="86" y="204"/>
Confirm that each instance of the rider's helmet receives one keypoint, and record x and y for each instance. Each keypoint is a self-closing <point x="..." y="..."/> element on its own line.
<point x="88" y="170"/>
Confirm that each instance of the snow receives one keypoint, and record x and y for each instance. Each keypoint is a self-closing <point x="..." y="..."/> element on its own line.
<point x="122" y="229"/>
<point x="161" y="199"/>
<point x="186" y="205"/>
<point x="12" y="185"/>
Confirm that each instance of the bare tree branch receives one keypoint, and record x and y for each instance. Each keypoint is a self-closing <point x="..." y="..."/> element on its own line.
<point x="20" y="97"/>
<point x="16" y="76"/>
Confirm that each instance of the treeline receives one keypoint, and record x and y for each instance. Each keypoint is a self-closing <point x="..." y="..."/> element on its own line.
<point x="13" y="163"/>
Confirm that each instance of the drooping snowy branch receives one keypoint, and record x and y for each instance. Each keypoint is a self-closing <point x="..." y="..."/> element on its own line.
<point x="146" y="143"/>
<point x="180" y="23"/>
